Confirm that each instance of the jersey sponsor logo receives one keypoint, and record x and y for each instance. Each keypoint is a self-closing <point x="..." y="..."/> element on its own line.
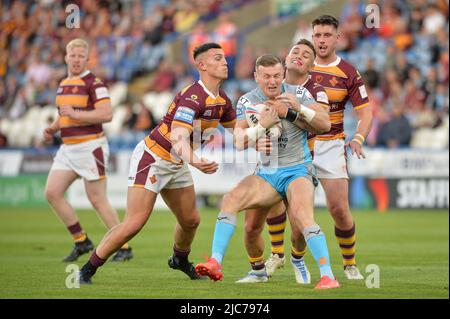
<point x="185" y="114"/>
<point x="193" y="98"/>
<point x="362" y="91"/>
<point x="75" y="90"/>
<point x="101" y="93"/>
<point x="334" y="107"/>
<point x="300" y="91"/>
<point x="207" y="113"/>
<point x="322" y="97"/>
<point x="334" y="81"/>
<point x="282" y="142"/>
<point x="153" y="179"/>
<point x="244" y="101"/>
<point x="319" y="78"/>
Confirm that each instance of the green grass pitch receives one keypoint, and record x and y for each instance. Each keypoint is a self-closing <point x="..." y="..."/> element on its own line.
<point x="410" y="248"/>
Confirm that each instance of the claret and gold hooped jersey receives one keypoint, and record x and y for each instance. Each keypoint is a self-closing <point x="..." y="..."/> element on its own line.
<point x="196" y="109"/>
<point x="342" y="82"/>
<point x="84" y="93"/>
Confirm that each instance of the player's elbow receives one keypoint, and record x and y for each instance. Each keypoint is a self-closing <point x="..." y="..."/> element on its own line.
<point x="325" y="127"/>
<point x="322" y="126"/>
<point x="107" y="116"/>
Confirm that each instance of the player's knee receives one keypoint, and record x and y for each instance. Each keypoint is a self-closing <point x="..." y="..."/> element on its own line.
<point x="339" y="210"/>
<point x="52" y="195"/>
<point x="190" y="223"/>
<point x="252" y="231"/>
<point x="231" y="200"/>
<point x="131" y="228"/>
<point x="96" y="200"/>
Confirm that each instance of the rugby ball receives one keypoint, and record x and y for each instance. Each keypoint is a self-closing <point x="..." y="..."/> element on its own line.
<point x="252" y="115"/>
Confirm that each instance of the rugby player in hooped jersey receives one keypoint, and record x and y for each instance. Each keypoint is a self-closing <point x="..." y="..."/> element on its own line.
<point x="83" y="103"/>
<point x="159" y="164"/>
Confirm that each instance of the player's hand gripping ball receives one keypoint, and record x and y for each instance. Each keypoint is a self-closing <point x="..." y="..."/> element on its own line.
<point x="253" y="114"/>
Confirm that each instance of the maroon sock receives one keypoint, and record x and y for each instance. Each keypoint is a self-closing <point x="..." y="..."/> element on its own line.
<point x="180" y="253"/>
<point x="75" y="228"/>
<point x="96" y="261"/>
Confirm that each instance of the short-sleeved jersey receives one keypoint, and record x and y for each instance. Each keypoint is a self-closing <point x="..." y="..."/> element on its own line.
<point x="196" y="109"/>
<point x="84" y="93"/>
<point x="342" y="83"/>
<point x="292" y="144"/>
<point x="320" y="96"/>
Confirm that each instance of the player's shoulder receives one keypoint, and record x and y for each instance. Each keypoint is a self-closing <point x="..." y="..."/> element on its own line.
<point x="247" y="99"/>
<point x="316" y="90"/>
<point x="191" y="96"/>
<point x="349" y="69"/>
<point x="195" y="89"/>
<point x="250" y="95"/>
<point x="91" y="80"/>
<point x="224" y="95"/>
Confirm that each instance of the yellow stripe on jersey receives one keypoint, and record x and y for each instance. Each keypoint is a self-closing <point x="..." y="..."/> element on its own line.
<point x="72" y="81"/>
<point x="183" y="124"/>
<point x="336" y="118"/>
<point x="336" y="95"/>
<point x="217" y="101"/>
<point x="81" y="139"/>
<point x="331" y="70"/>
<point x="65" y="121"/>
<point x="327" y="137"/>
<point x="361" y="106"/>
<point x="209" y="124"/>
<point x="73" y="100"/>
<point x="158" y="150"/>
<point x="102" y="102"/>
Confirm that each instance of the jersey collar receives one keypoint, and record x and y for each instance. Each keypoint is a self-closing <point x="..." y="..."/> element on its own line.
<point x="206" y="90"/>
<point x="334" y="63"/>
<point x="303" y="84"/>
<point x="86" y="72"/>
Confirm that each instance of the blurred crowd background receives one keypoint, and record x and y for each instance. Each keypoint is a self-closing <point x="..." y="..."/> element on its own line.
<point x="133" y="47"/>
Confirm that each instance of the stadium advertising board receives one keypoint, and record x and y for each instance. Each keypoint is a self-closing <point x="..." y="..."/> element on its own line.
<point x="386" y="179"/>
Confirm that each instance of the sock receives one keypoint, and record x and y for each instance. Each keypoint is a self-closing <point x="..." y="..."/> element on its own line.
<point x="77" y="232"/>
<point x="181" y="254"/>
<point x="225" y="226"/>
<point x="90" y="268"/>
<point x="297" y="254"/>
<point x="317" y="244"/>
<point x="277" y="225"/>
<point x="347" y="243"/>
<point x="257" y="263"/>
<point x="125" y="246"/>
